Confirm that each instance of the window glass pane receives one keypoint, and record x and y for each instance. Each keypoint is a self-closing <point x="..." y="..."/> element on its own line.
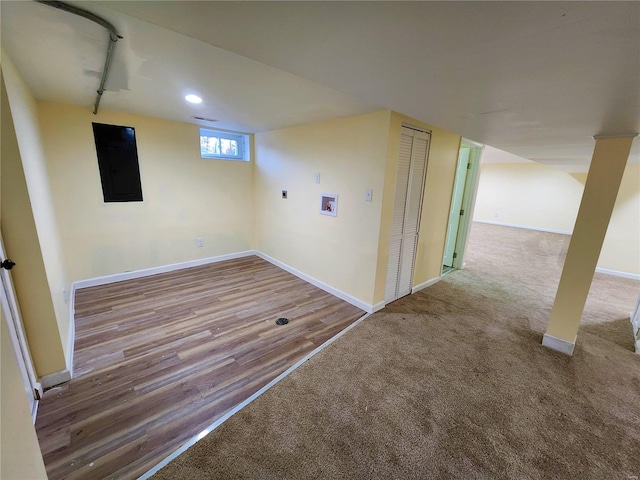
<point x="223" y="145"/>
<point x="209" y="145"/>
<point x="229" y="147"/>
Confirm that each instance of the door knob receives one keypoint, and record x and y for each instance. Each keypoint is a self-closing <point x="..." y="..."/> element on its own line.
<point x="8" y="264"/>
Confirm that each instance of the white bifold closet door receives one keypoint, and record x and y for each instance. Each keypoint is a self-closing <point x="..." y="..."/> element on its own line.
<point x="412" y="165"/>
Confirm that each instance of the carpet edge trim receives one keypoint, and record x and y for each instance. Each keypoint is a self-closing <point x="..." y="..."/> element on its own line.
<point x="246" y="402"/>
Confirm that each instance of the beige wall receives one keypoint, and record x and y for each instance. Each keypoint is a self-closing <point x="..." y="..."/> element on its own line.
<point x="185" y="196"/>
<point x="540" y="196"/>
<point x="441" y="170"/>
<point x="30" y="238"/>
<point x="529" y="194"/>
<point x="20" y="456"/>
<point x="350" y="154"/>
<point x="621" y="250"/>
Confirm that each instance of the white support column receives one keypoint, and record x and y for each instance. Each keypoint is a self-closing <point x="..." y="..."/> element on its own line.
<point x="600" y="191"/>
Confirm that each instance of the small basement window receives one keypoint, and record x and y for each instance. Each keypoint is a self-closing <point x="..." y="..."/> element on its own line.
<point x="118" y="163"/>
<point x="224" y="145"/>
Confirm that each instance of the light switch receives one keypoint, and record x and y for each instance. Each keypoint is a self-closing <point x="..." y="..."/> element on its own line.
<point x="317" y="177"/>
<point x="284" y="194"/>
<point x="368" y="196"/>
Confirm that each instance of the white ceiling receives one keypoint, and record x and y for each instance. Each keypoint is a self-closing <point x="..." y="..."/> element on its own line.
<point x="61" y="57"/>
<point x="495" y="155"/>
<point x="537" y="79"/>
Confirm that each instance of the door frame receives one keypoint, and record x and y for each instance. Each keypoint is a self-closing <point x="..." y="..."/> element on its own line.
<point x="17" y="334"/>
<point x="468" y="201"/>
<point x="456" y="209"/>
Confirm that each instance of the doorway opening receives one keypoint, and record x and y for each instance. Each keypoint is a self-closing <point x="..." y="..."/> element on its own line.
<point x="462" y="204"/>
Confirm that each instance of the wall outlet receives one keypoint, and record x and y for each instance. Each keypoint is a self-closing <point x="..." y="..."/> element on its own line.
<point x="368" y="195"/>
<point x="284" y="194"/>
<point x="200" y="242"/>
<point x="495" y="215"/>
<point x="64" y="296"/>
<point x="317" y="178"/>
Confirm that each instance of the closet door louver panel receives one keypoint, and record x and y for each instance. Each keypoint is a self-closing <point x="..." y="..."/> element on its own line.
<point x="397" y="222"/>
<point x="416" y="177"/>
<point x="402" y="185"/>
<point x="405" y="275"/>
<point x="393" y="269"/>
<point x="405" y="223"/>
<point x="412" y="212"/>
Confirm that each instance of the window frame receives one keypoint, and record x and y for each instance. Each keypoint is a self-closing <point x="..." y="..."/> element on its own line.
<point x="241" y="139"/>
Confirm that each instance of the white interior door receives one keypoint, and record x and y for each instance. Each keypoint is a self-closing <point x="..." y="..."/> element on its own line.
<point x="11" y="313"/>
<point x="456" y="206"/>
<point x="405" y="225"/>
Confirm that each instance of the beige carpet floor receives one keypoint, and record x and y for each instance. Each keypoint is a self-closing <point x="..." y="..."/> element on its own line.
<point x="452" y="382"/>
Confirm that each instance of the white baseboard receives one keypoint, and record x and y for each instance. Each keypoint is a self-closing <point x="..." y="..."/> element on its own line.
<point x="72" y="329"/>
<point x="526" y="227"/>
<point x="607" y="271"/>
<point x="378" y="306"/>
<point x="558" y="344"/>
<point x="618" y="273"/>
<point x="367" y="307"/>
<point x="55" y="378"/>
<point x="34" y="410"/>
<point x="119" y="277"/>
<point x="423" y="285"/>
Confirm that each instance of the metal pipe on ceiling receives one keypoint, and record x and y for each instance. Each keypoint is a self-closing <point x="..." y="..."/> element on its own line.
<point x="113" y="38"/>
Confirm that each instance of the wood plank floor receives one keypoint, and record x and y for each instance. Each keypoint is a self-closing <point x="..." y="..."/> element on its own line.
<point x="160" y="358"/>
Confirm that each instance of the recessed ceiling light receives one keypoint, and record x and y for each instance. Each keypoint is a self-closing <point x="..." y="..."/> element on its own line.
<point x="193" y="99"/>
